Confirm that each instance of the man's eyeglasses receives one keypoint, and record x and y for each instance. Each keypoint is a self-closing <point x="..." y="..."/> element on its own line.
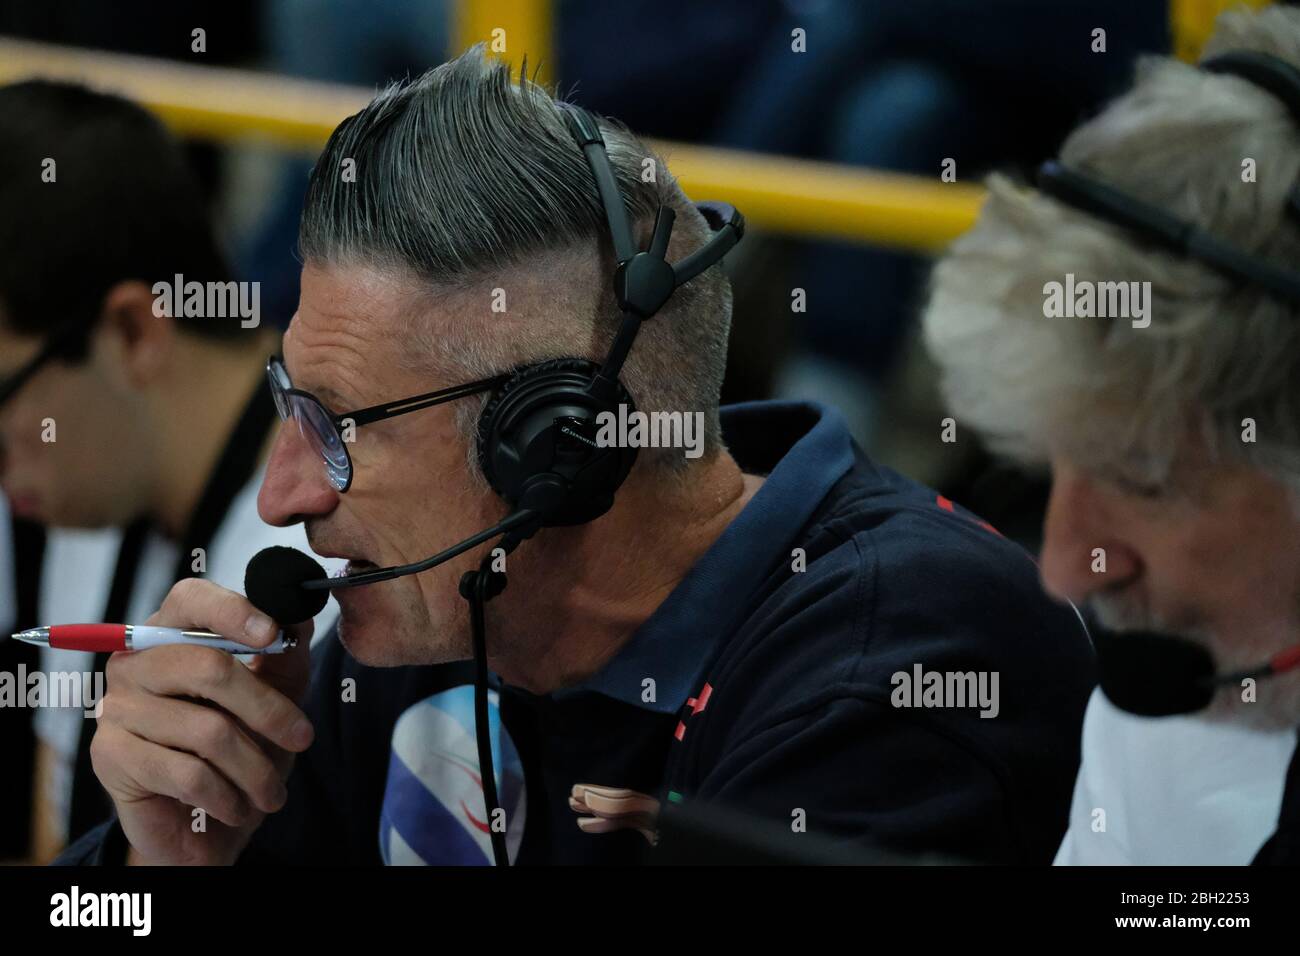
<point x="67" y="343"/>
<point x="323" y="429"/>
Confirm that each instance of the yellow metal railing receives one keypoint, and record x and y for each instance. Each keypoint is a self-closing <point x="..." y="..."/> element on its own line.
<point x="205" y="102"/>
<point x="778" y="194"/>
<point x="1192" y="21"/>
<point x="512" y="29"/>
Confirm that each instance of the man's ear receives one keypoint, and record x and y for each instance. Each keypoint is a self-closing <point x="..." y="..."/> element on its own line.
<point x="147" y="340"/>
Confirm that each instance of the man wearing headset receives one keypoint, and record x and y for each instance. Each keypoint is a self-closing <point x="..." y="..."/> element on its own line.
<point x="777" y="626"/>
<point x="1173" y="438"/>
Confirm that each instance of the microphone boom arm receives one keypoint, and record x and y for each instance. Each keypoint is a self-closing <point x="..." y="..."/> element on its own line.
<point x="510" y="523"/>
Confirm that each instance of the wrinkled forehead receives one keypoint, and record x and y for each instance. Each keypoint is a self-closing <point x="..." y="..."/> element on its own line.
<point x="353" y="320"/>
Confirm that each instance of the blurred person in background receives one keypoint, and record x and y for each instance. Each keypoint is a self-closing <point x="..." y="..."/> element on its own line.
<point x="1150" y="434"/>
<point x="140" y="422"/>
<point x="150" y="28"/>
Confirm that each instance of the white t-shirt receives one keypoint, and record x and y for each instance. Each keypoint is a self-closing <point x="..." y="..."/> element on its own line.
<point x="1173" y="790"/>
<point x="76" y="575"/>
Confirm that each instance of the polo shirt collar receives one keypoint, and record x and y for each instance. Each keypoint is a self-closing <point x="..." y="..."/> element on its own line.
<point x="804" y="448"/>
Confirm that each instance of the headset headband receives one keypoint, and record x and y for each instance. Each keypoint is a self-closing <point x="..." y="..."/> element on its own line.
<point x="1180" y="236"/>
<point x="644" y="280"/>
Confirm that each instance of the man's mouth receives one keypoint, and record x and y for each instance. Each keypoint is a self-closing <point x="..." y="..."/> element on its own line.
<point x="354" y="565"/>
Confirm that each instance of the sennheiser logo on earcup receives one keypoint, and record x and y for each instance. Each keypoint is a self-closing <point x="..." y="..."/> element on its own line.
<point x="572" y="430"/>
<point x="565" y="429"/>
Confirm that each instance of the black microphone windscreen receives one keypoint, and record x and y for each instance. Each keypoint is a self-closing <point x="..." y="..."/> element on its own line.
<point x="1154" y="675"/>
<point x="273" y="583"/>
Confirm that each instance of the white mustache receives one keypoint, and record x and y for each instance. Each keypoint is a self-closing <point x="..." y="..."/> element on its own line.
<point x="1122" y="616"/>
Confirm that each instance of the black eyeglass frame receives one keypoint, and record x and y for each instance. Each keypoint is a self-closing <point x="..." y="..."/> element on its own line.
<point x="373" y="413"/>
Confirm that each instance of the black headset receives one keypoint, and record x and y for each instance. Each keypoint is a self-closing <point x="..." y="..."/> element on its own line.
<point x="537" y="433"/>
<point x="1160" y="228"/>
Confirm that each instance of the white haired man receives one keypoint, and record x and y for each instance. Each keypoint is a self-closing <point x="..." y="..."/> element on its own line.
<point x="1170" y="418"/>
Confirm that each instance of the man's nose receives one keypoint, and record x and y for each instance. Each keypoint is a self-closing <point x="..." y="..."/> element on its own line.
<point x="1083" y="546"/>
<point x="295" y="486"/>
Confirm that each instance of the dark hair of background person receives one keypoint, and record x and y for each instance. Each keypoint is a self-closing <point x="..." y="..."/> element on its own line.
<point x="124" y="205"/>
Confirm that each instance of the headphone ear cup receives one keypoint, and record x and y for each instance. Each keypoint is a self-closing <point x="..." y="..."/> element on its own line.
<point x="537" y="443"/>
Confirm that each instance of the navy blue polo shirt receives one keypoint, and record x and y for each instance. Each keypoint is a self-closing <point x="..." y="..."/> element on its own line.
<point x="624" y="719"/>
<point x="767" y="682"/>
<point x="712" y="600"/>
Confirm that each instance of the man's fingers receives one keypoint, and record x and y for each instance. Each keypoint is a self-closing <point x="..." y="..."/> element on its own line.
<point x="195" y="603"/>
<point x="157" y="771"/>
<point x="282" y="759"/>
<point x="180" y="670"/>
<point x="204" y="732"/>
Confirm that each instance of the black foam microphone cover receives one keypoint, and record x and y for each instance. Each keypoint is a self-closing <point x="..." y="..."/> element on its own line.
<point x="273" y="583"/>
<point x="1154" y="675"/>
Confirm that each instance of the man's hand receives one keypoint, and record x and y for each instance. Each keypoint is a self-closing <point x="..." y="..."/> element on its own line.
<point x="191" y="727"/>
